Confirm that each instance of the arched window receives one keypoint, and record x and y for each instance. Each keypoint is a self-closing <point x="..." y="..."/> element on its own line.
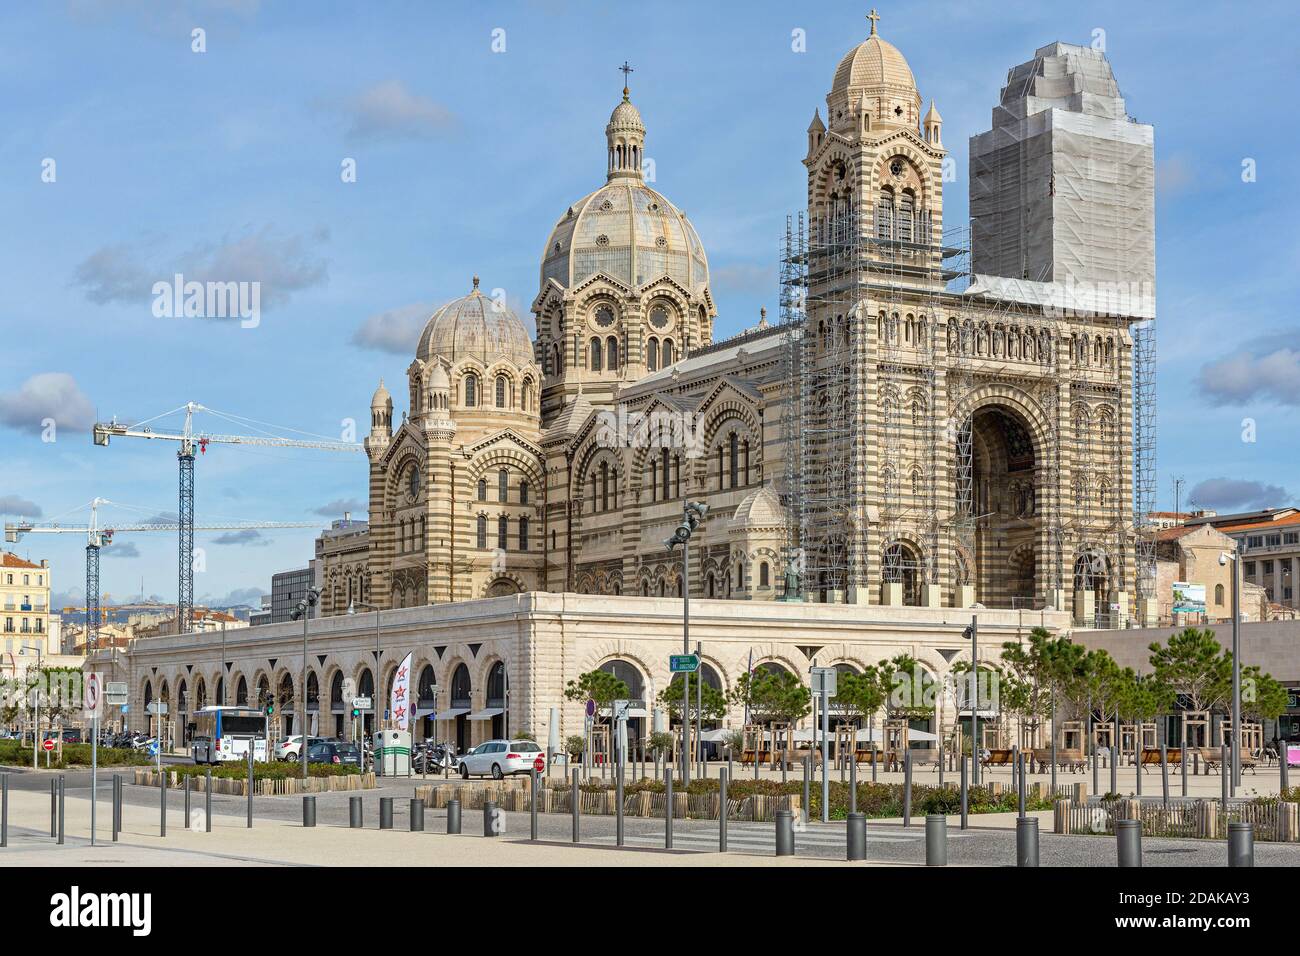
<point x="482" y="489"/>
<point x="906" y="206"/>
<point x="503" y="485"/>
<point x="502" y="391"/>
<point x="460" y="687"/>
<point x="744" y="453"/>
<point x="652" y="354"/>
<point x="502" y="531"/>
<point x="654" y="480"/>
<point x="523" y="534"/>
<point x="604" y="486"/>
<point x="594" y="349"/>
<point x="611" y="354"/>
<point x="482" y="532"/>
<point x="734" y="451"/>
<point x="763" y="575"/>
<point x="1218" y="594"/>
<point x="668" y="353"/>
<point x="664" y="467"/>
<point x="523" y="492"/>
<point x="885" y="215"/>
<point x="471" y="390"/>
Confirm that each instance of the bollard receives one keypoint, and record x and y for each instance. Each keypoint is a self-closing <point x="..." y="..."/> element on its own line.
<point x="668" y="807"/>
<point x="1128" y="841"/>
<point x="453" y="815"/>
<point x="187" y="799"/>
<point x="856" y="833"/>
<point x="618" y="808"/>
<point x="417" y="815"/>
<point x="1137" y="770"/>
<point x="964" y="794"/>
<point x="1241" y="844"/>
<point x="54" y="808"/>
<point x="1015" y="765"/>
<point x="532" y="809"/>
<point x="117" y="805"/>
<point x="1182" y="763"/>
<point x="577" y="806"/>
<point x="308" y="811"/>
<point x="62" y="789"/>
<point x="490" y="818"/>
<point x="354" y="813"/>
<point x="207" y="803"/>
<point x="1225" y="775"/>
<point x="807" y="789"/>
<point x="1164" y="772"/>
<point x="1027" y="841"/>
<point x="723" y="777"/>
<point x="936" y="840"/>
<point x="385" y="813"/>
<point x="4" y="809"/>
<point x="162" y="803"/>
<point x="784" y="833"/>
<point x="853" y="785"/>
<point x="907" y="788"/>
<point x="250" y="785"/>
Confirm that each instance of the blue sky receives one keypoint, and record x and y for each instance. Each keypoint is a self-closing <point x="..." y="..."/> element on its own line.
<point x="228" y="162"/>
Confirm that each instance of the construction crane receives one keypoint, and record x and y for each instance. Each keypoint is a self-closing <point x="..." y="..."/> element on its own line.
<point x="98" y="537"/>
<point x="189" y="439"/>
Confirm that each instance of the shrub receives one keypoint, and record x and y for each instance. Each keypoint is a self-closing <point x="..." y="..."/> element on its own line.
<point x="15" y="753"/>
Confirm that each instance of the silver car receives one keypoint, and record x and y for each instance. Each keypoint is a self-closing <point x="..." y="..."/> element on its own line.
<point x="501" y="758"/>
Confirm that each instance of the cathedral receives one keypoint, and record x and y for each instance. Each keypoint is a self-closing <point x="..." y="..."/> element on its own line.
<point x="939" y="423"/>
<point x="890" y="440"/>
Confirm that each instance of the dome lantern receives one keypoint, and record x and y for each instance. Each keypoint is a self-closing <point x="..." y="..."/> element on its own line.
<point x="625" y="138"/>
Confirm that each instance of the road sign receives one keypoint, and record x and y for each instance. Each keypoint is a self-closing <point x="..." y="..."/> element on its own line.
<point x="92" y="694"/>
<point x="157" y="708"/>
<point x="823" y="680"/>
<point x="539" y="764"/>
<point x="361" y="703"/>
<point x="591" y="708"/>
<point x="115" y="694"/>
<point x="47" y="746"/>
<point x="683" y="663"/>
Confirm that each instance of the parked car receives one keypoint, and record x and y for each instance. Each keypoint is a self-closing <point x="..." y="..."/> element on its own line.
<point x="500" y="758"/>
<point x="291" y="747"/>
<point x="72" y="735"/>
<point x="333" y="751"/>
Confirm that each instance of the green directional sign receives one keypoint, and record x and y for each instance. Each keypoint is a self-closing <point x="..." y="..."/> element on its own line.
<point x="683" y="663"/>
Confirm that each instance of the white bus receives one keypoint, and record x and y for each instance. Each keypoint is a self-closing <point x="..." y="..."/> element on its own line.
<point x="225" y="733"/>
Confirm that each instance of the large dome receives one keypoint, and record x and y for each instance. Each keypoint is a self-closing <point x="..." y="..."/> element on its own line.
<point x="475" y="327"/>
<point x="872" y="64"/>
<point x="629" y="232"/>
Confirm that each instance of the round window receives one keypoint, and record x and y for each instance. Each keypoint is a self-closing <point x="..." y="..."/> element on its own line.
<point x="659" y="317"/>
<point x="604" y="316"/>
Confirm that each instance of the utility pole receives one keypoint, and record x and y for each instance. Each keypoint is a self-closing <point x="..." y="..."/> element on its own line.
<point x="972" y="634"/>
<point x="693" y="513"/>
<point x="303" y="612"/>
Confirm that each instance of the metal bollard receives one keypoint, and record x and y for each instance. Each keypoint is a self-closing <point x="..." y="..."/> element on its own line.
<point x="784" y="833"/>
<point x="618" y="808"/>
<point x="1225" y="773"/>
<point x="907" y="788"/>
<point x="162" y="803"/>
<point x="453" y="815"/>
<point x="965" y="795"/>
<point x="355" y="821"/>
<point x="668" y="808"/>
<point x="62" y="789"/>
<point x="936" y="840"/>
<point x="1020" y="797"/>
<point x="117" y="805"/>
<point x="1015" y="765"/>
<point x="207" y="803"/>
<point x="490" y="825"/>
<point x="308" y="811"/>
<point x="54" y="808"/>
<point x="1241" y="844"/>
<point x="1027" y="841"/>
<point x="856" y="835"/>
<point x="417" y="815"/>
<point x="723" y="777"/>
<point x="532" y="808"/>
<point x="187" y="799"/>
<point x="1128" y="841"/>
<point x="853" y="784"/>
<point x="807" y="789"/>
<point x="576" y="806"/>
<point x="1164" y="772"/>
<point x="385" y="813"/>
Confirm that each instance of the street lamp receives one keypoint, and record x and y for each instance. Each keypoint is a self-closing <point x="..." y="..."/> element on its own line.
<point x="36" y="699"/>
<point x="303" y="612"/>
<point x="1224" y="558"/>
<point x="374" y="703"/>
<point x="972" y="634"/>
<point x="693" y="513"/>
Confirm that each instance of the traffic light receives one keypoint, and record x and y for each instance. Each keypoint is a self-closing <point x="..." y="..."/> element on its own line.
<point x="356" y="712"/>
<point x="270" y="710"/>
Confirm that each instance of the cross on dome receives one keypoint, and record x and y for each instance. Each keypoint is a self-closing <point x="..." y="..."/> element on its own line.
<point x="625" y="70"/>
<point x="873" y="16"/>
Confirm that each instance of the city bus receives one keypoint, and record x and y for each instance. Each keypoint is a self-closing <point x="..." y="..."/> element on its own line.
<point x="225" y="733"/>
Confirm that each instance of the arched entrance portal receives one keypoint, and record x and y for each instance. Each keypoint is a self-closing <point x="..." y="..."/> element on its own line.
<point x="1006" y="496"/>
<point x="460" y="700"/>
<point x="630" y="674"/>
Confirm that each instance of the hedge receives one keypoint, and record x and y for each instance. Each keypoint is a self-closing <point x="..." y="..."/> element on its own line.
<point x="277" y="770"/>
<point x="14" y="753"/>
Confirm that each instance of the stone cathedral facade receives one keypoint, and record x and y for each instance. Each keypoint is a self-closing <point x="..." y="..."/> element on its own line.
<point x="893" y="440"/>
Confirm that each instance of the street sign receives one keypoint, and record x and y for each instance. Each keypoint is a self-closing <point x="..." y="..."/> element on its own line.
<point x="683" y="663"/>
<point x="823" y="681"/>
<point x="539" y="764"/>
<point x="619" y="709"/>
<point x="47" y="746"/>
<point x="115" y="694"/>
<point x="157" y="708"/>
<point x="591" y="708"/>
<point x="361" y="703"/>
<point x="92" y="694"/>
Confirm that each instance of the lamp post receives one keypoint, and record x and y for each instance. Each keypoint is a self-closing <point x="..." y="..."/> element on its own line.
<point x="1224" y="559"/>
<point x="693" y="513"/>
<point x="374" y="703"/>
<point x="972" y="634"/>
<point x="303" y="611"/>
<point x="36" y="700"/>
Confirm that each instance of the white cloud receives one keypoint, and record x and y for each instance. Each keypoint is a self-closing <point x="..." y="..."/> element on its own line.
<point x="123" y="549"/>
<point x="335" y="508"/>
<point x="19" y="507"/>
<point x="397" y="330"/>
<point x="1267" y="369"/>
<point x="244" y="537"/>
<point x="53" y="395"/>
<point x="389" y="110"/>
<point x="1228" y="495"/>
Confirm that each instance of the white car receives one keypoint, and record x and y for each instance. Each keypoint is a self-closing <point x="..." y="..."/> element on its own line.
<point x="500" y="758"/>
<point x="291" y="747"/>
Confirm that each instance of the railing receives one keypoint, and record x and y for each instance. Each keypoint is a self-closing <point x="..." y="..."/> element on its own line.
<point x="1273" y="820"/>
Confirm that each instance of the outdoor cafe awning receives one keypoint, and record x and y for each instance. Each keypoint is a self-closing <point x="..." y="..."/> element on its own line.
<point x="451" y="713"/>
<point x="487" y="713"/>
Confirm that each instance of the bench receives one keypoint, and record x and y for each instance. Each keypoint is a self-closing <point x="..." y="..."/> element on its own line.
<point x="1151" y="757"/>
<point x="998" y="758"/>
<point x="1069" y="760"/>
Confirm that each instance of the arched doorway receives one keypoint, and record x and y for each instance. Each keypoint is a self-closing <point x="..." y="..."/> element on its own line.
<point x="1005" y="487"/>
<point x="338" y="709"/>
<point x="1092" y="583"/>
<point x="284" y="705"/>
<point x="497" y="699"/>
<point x="183" y="710"/>
<point x="366" y="688"/>
<point x="902" y="565"/>
<point x="461" y="688"/>
<point x="313" y="702"/>
<point x="241" y="692"/>
<point x="426" y="701"/>
<point x="631" y="675"/>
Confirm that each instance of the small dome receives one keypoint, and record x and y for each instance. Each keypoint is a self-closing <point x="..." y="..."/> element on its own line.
<point x="438" y="379"/>
<point x="872" y="64"/>
<point x="626" y="116"/>
<point x="381" y="398"/>
<point x="475" y="327"/>
<point x="760" y="509"/>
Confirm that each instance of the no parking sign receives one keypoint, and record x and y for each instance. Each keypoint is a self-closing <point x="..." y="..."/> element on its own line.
<point x="92" y="695"/>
